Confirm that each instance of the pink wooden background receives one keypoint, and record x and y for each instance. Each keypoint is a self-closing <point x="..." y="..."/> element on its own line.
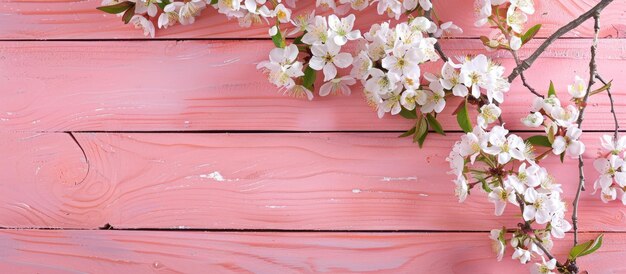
<point x="195" y="164"/>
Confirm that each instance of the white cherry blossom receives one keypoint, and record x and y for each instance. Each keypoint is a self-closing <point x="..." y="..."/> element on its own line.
<point x="337" y="85"/>
<point x="435" y="100"/>
<point x="317" y="33"/>
<point x="534" y="119"/>
<point x="609" y="143"/>
<point x="488" y="114"/>
<point x="411" y="97"/>
<point x="140" y="22"/>
<point x="461" y="189"/>
<point x="523" y="255"/>
<point x="341" y="30"/>
<point x="500" y="197"/>
<point x="544" y="267"/>
<point x="497" y="243"/>
<point x="505" y="147"/>
<point x="578" y="89"/>
<point x="170" y="15"/>
<point x="610" y="169"/>
<point x="327" y="57"/>
<point x="569" y="143"/>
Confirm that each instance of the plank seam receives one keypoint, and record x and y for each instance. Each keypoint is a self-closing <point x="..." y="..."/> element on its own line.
<point x="223" y="230"/>
<point x="233" y="39"/>
<point x="263" y="131"/>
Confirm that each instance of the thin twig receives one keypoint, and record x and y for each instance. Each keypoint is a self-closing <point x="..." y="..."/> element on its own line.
<point x="524" y="81"/>
<point x="608" y="91"/>
<point x="544" y="249"/>
<point x="556" y="35"/>
<point x="592" y="74"/>
<point x="442" y="54"/>
<point x="520" y="201"/>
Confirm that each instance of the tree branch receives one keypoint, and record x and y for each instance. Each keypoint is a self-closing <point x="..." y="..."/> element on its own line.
<point x="520" y="201"/>
<point x="592" y="74"/>
<point x="442" y="54"/>
<point x="608" y="91"/>
<point x="524" y="82"/>
<point x="556" y="35"/>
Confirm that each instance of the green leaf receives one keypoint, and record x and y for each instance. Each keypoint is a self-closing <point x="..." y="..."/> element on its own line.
<point x="530" y="33"/>
<point x="163" y="4"/>
<point x="298" y="40"/>
<point x="422" y="138"/>
<point x="408" y="133"/>
<point x="595" y="245"/>
<point x="421" y="131"/>
<point x="128" y="14"/>
<point x="213" y="2"/>
<point x="485" y="185"/>
<point x="585" y="248"/>
<point x="309" y="78"/>
<point x="539" y="140"/>
<point x="462" y="117"/>
<point x="601" y="89"/>
<point x="117" y="8"/>
<point x="278" y="39"/>
<point x="551" y="90"/>
<point x="434" y="124"/>
<point x="408" y="114"/>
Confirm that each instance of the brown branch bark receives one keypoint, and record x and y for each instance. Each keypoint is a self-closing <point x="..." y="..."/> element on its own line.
<point x="556" y="35"/>
<point x="523" y="77"/>
<point x="442" y="54"/>
<point x="520" y="201"/>
<point x="592" y="74"/>
<point x="608" y="91"/>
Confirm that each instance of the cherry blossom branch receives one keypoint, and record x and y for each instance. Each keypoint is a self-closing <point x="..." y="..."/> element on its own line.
<point x="608" y="91"/>
<point x="438" y="48"/>
<point x="592" y="74"/>
<point x="527" y="224"/>
<point x="523" y="77"/>
<point x="556" y="35"/>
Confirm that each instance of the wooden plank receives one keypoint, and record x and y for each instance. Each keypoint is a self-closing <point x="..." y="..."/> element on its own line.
<point x="74" y="19"/>
<point x="322" y="181"/>
<point x="200" y="85"/>
<point x="32" y="251"/>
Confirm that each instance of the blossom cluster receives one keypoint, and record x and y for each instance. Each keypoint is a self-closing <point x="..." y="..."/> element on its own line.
<point x="503" y="165"/>
<point x="171" y="12"/>
<point x="612" y="169"/>
<point x="558" y="121"/>
<point x="322" y="40"/>
<point x="388" y="63"/>
<point x="393" y="8"/>
<point x="247" y="12"/>
<point x="389" y="67"/>
<point x="509" y="16"/>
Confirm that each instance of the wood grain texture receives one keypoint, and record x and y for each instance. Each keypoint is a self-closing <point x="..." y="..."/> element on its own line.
<point x="74" y="19"/>
<point x="246" y="252"/>
<point x="200" y="85"/>
<point x="322" y="181"/>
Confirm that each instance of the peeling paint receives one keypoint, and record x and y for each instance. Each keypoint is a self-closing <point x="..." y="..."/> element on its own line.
<point x="389" y="179"/>
<point x="275" y="206"/>
<point x="215" y="176"/>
